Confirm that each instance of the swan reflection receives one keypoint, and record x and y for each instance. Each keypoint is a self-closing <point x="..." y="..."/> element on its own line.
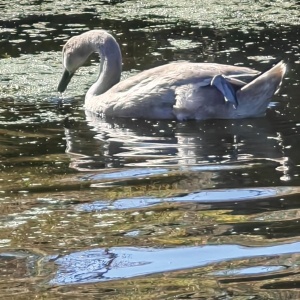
<point x="103" y="143"/>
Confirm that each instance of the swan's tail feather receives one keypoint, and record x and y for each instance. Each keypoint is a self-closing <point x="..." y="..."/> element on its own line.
<point x="255" y="96"/>
<point x="266" y="83"/>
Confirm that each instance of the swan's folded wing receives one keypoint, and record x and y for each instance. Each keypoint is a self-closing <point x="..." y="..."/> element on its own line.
<point x="149" y="98"/>
<point x="206" y="98"/>
<point x="192" y="98"/>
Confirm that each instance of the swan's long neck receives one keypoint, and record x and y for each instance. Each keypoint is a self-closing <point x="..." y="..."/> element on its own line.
<point x="110" y="63"/>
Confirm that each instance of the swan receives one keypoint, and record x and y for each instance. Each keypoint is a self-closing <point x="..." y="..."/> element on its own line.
<point x="178" y="90"/>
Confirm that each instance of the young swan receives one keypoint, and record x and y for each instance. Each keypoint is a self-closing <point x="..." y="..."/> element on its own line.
<point x="180" y="90"/>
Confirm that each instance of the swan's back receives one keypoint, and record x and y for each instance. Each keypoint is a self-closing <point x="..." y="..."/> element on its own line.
<point x="153" y="93"/>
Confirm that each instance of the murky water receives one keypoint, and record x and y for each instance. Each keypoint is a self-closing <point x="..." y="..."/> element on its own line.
<point x="134" y="209"/>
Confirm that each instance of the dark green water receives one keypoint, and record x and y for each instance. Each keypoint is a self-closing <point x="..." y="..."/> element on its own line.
<point x="131" y="209"/>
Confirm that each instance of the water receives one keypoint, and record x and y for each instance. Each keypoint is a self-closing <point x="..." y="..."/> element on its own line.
<point x="137" y="209"/>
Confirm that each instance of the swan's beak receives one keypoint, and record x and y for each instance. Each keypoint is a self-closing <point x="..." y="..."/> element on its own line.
<point x="66" y="77"/>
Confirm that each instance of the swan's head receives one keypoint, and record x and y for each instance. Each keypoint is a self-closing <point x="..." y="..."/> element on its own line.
<point x="75" y="53"/>
<point x="77" y="50"/>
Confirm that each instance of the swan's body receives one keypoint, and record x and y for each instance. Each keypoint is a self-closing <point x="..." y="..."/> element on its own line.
<point x="179" y="90"/>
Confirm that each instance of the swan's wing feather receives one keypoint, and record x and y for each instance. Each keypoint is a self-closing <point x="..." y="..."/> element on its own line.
<point x="226" y="88"/>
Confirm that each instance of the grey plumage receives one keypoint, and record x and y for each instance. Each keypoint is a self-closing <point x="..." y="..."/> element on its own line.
<point x="180" y="90"/>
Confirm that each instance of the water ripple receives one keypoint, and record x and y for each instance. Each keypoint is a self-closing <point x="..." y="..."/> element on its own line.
<point x="120" y="262"/>
<point x="204" y="196"/>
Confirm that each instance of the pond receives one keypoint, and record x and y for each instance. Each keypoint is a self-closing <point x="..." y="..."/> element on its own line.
<point x="108" y="208"/>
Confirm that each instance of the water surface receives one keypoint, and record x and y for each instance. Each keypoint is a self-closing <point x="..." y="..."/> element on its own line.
<point x="137" y="209"/>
